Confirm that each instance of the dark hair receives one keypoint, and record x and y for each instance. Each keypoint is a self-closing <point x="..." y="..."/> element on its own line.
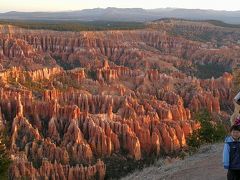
<point x="235" y="128"/>
<point x="238" y="101"/>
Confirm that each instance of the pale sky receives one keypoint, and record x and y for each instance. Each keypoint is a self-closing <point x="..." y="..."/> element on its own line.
<point x="65" y="5"/>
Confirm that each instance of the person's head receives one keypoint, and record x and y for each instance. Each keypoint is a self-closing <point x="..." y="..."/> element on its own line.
<point x="235" y="131"/>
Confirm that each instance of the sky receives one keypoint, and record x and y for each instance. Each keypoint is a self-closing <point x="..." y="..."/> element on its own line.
<point x="66" y="5"/>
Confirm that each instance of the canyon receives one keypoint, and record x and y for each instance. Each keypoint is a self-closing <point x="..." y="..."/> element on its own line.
<point x="69" y="100"/>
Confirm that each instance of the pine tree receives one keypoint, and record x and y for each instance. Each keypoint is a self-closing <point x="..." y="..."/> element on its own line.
<point x="236" y="79"/>
<point x="4" y="158"/>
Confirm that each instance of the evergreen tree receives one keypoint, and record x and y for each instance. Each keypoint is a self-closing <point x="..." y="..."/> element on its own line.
<point x="211" y="131"/>
<point x="236" y="79"/>
<point x="4" y="158"/>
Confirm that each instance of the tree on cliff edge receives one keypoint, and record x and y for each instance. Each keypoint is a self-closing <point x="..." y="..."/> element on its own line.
<point x="211" y="131"/>
<point x="4" y="158"/>
<point x="236" y="79"/>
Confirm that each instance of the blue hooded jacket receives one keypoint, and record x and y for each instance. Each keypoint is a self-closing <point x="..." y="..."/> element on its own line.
<point x="226" y="154"/>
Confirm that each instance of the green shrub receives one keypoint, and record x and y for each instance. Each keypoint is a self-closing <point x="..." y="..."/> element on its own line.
<point x="182" y="154"/>
<point x="210" y="131"/>
<point x="193" y="141"/>
<point x="4" y="159"/>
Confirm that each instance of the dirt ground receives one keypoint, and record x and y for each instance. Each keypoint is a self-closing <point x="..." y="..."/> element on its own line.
<point x="206" y="164"/>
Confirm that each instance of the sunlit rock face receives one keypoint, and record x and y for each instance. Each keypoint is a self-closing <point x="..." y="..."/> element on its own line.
<point x="70" y="100"/>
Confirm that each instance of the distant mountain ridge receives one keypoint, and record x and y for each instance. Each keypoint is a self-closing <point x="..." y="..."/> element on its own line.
<point x="126" y="14"/>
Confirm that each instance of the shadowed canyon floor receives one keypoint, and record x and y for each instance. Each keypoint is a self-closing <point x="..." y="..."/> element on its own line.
<point x="206" y="164"/>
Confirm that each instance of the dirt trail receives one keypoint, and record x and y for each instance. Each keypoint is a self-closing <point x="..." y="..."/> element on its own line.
<point x="206" y="164"/>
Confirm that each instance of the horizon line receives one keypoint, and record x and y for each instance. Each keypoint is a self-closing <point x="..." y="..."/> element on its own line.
<point x="26" y="11"/>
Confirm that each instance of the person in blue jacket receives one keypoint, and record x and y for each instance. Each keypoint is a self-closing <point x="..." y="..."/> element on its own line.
<point x="231" y="153"/>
